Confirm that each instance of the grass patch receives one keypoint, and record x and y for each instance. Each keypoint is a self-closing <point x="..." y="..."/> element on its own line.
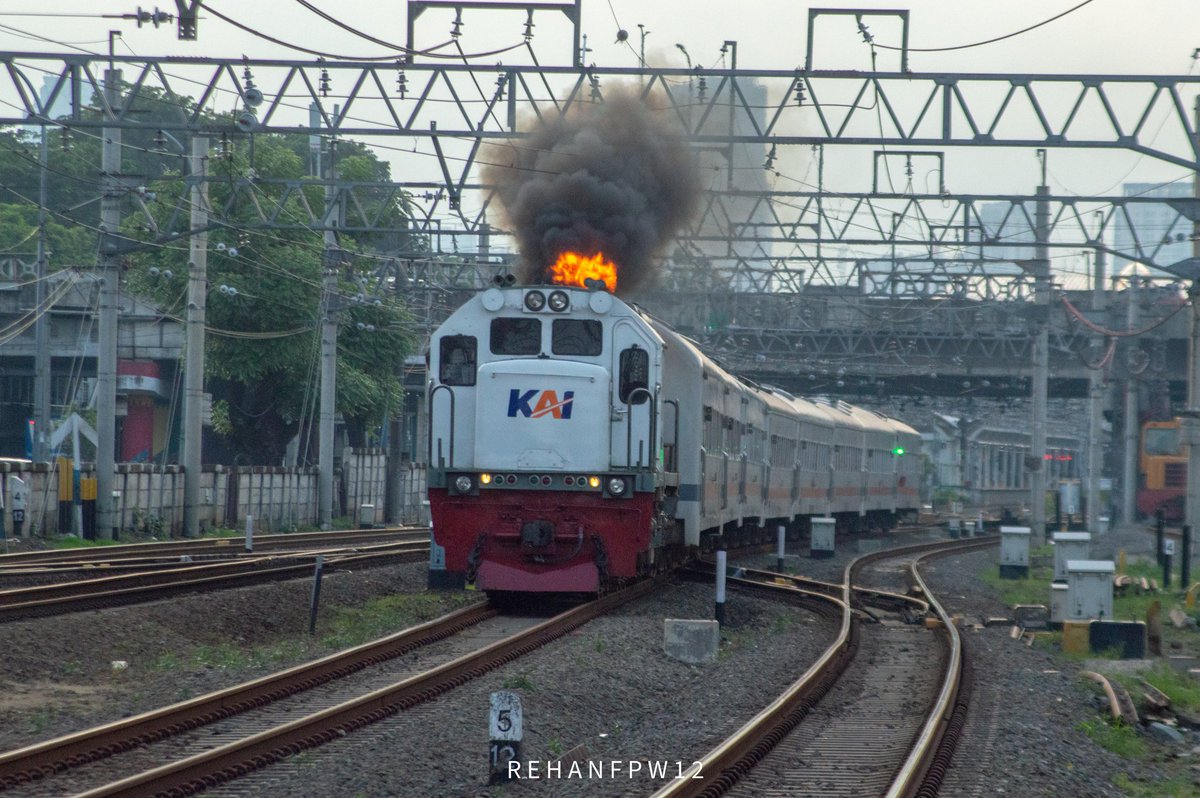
<point x="1182" y="689"/>
<point x="72" y="542"/>
<point x="346" y="627"/>
<point x="520" y="682"/>
<point x="1122" y="740"/>
<point x="1180" y="786"/>
<point x="385" y="615"/>
<point x="1035" y="589"/>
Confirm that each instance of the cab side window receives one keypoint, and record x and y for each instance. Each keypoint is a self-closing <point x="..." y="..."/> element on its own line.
<point x="456" y="360"/>
<point x="635" y="374"/>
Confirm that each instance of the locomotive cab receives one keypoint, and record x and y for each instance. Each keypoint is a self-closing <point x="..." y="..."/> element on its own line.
<point x="543" y="441"/>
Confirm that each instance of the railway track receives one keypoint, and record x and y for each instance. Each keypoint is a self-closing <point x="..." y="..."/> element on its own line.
<point x="140" y="586"/>
<point x="206" y="548"/>
<point x="870" y="716"/>
<point x="207" y="741"/>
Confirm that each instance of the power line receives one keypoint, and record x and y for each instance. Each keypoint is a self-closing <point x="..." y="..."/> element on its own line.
<point x="427" y="53"/>
<point x="987" y="41"/>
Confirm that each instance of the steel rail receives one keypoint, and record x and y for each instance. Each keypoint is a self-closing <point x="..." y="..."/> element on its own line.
<point x="96" y="566"/>
<point x="163" y="547"/>
<point x="923" y="759"/>
<point x="211" y="768"/>
<point x="98" y="578"/>
<point x="244" y="574"/>
<point x="731" y="760"/>
<point x="36" y="761"/>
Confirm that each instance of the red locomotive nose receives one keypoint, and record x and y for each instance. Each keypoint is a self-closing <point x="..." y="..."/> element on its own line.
<point x="537" y="534"/>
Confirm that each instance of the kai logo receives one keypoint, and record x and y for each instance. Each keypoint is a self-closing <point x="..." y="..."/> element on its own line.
<point x="539" y="404"/>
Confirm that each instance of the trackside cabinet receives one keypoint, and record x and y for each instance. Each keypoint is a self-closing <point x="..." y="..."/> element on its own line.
<point x="1090" y="589"/>
<point x="822" y="538"/>
<point x="1069" y="546"/>
<point x="1014" y="552"/>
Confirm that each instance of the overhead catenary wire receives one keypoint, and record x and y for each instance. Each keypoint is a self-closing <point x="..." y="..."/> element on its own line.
<point x="945" y="246"/>
<point x="992" y="40"/>
<point x="324" y="54"/>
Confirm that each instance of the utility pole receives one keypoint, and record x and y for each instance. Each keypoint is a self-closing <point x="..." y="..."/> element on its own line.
<point x="1130" y="413"/>
<point x="1191" y="421"/>
<point x="106" y="354"/>
<point x="193" y="372"/>
<point x="1041" y="354"/>
<point x="329" y="331"/>
<point x="1096" y="403"/>
<point x="41" y="358"/>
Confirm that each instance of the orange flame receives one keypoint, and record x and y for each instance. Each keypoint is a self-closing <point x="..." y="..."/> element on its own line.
<point x="572" y="268"/>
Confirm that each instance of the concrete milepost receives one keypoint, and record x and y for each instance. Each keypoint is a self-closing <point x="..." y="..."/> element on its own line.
<point x="506" y="729"/>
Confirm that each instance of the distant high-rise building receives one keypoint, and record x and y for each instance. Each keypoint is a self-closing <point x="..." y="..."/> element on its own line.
<point x="1158" y="234"/>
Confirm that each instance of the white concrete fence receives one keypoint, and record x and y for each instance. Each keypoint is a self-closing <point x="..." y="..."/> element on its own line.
<point x="150" y="499"/>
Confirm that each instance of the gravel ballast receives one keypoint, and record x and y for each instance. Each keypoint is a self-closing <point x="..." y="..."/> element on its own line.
<point x="1022" y="736"/>
<point x="57" y="674"/>
<point x="608" y="687"/>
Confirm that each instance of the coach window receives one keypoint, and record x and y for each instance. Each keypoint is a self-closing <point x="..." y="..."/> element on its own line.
<point x="516" y="336"/>
<point x="577" y="337"/>
<point x="456" y="360"/>
<point x="635" y="374"/>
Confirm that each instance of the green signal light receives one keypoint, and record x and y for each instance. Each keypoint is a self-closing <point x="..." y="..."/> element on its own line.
<point x="899" y="450"/>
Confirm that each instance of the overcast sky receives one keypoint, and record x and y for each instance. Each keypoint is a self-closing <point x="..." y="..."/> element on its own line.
<point x="1104" y="36"/>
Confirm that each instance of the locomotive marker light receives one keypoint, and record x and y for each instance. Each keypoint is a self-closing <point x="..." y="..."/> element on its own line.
<point x="505" y="732"/>
<point x="535" y="301"/>
<point x="559" y="301"/>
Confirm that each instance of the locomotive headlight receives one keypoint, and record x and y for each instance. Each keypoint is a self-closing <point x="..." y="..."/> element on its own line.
<point x="463" y="484"/>
<point x="616" y="486"/>
<point x="485" y="479"/>
<point x="535" y="301"/>
<point x="559" y="301"/>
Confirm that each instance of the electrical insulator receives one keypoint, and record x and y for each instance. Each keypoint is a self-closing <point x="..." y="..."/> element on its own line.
<point x="160" y="141"/>
<point x="65" y="139"/>
<point x="456" y="28"/>
<point x="529" y="25"/>
<point x="800" y="96"/>
<point x="401" y="83"/>
<point x="324" y="82"/>
<point x="595" y="94"/>
<point x="500" y="80"/>
<point x="702" y="88"/>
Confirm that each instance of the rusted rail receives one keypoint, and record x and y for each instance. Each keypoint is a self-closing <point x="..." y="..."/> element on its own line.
<point x="44" y="600"/>
<point x="732" y="760"/>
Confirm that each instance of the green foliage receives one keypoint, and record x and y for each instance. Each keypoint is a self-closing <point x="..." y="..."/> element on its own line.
<point x="519" y="682"/>
<point x="1035" y="589"/>
<point x="72" y="542"/>
<point x="1181" y="688"/>
<point x="1119" y="738"/>
<point x="220" y="418"/>
<point x="262" y="354"/>
<point x="385" y="615"/>
<point x="1181" y="786"/>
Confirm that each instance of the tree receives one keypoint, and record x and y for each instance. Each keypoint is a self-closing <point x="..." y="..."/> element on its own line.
<point x="261" y="353"/>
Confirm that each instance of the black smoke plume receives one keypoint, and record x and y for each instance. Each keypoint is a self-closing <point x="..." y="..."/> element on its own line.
<point x="612" y="177"/>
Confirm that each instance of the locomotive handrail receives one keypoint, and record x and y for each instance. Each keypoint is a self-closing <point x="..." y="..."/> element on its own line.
<point x="674" y="464"/>
<point x="653" y="407"/>
<point x="432" y="394"/>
